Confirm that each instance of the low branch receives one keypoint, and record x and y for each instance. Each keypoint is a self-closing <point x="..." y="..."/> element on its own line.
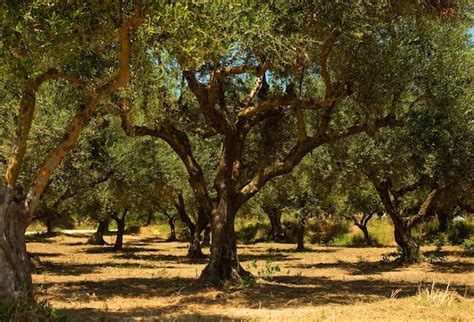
<point x="179" y="142"/>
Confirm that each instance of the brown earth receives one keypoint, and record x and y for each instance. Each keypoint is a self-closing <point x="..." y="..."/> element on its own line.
<point x="153" y="280"/>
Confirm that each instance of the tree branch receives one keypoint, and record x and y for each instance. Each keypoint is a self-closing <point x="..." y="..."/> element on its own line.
<point x="84" y="112"/>
<point x="425" y="208"/>
<point x="179" y="142"/>
<point x="25" y="119"/>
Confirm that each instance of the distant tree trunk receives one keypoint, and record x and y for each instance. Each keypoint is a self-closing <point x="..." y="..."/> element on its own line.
<point x="149" y="219"/>
<point x="361" y="223"/>
<point x="49" y="225"/>
<point x="365" y="231"/>
<point x="206" y="241"/>
<point x="443" y="221"/>
<point x="300" y="234"/>
<point x="98" y="237"/>
<point x="120" y="229"/>
<point x="276" y="233"/>
<point x="15" y="270"/>
<point x="171" y="223"/>
<point x="194" y="250"/>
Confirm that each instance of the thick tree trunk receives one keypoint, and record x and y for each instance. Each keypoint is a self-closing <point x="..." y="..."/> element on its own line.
<point x="171" y="223"/>
<point x="120" y="230"/>
<point x="15" y="271"/>
<point x="224" y="265"/>
<point x="411" y="252"/>
<point x="98" y="237"/>
<point x="300" y="235"/>
<point x="276" y="233"/>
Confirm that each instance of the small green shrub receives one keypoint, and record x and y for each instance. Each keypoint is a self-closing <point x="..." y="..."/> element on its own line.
<point x="326" y="230"/>
<point x="459" y="231"/>
<point x="359" y="240"/>
<point x="133" y="230"/>
<point x="247" y="282"/>
<point x="250" y="233"/>
<point x="468" y="245"/>
<point x="268" y="270"/>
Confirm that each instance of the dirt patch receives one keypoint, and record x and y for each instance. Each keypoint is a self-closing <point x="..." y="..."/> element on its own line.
<point x="153" y="280"/>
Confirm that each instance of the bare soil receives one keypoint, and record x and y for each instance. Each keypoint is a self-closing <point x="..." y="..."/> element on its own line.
<point x="153" y="280"/>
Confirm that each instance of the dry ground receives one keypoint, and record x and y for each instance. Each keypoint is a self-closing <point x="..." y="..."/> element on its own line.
<point x="153" y="280"/>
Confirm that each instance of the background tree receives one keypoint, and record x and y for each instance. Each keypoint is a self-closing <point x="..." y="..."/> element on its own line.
<point x="332" y="70"/>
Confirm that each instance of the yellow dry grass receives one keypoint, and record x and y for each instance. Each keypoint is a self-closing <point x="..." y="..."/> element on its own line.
<point x="153" y="280"/>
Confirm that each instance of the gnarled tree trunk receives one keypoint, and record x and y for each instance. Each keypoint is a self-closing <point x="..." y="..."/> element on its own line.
<point x="98" y="237"/>
<point x="224" y="264"/>
<point x="411" y="252"/>
<point x="15" y="271"/>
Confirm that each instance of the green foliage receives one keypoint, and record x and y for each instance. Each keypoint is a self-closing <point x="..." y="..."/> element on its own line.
<point x="252" y="232"/>
<point x="18" y="311"/>
<point x="459" y="231"/>
<point x="268" y="270"/>
<point x="326" y="230"/>
<point x="359" y="240"/>
<point x="468" y="245"/>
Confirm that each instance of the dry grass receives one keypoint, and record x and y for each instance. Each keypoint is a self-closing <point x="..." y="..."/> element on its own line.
<point x="153" y="280"/>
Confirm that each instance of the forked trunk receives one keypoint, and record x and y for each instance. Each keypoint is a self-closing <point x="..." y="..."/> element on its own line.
<point x="98" y="237"/>
<point x="224" y="265"/>
<point x="15" y="271"/>
<point x="365" y="231"/>
<point x="120" y="230"/>
<point x="411" y="252"/>
<point x="171" y="223"/>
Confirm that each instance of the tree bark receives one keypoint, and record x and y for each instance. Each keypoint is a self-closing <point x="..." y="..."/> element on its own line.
<point x="411" y="252"/>
<point x="171" y="223"/>
<point x="300" y="235"/>
<point x="120" y="230"/>
<point x="206" y="241"/>
<point x="15" y="270"/>
<point x="49" y="225"/>
<point x="276" y="233"/>
<point x="149" y="219"/>
<point x="224" y="265"/>
<point x="195" y="230"/>
<point x="195" y="249"/>
<point x="98" y="237"/>
<point x="365" y="231"/>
